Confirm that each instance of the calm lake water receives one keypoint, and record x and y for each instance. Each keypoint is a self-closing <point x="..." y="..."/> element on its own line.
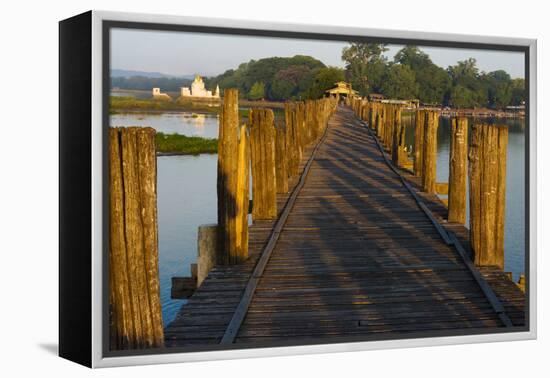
<point x="185" y="123"/>
<point x="187" y="193"/>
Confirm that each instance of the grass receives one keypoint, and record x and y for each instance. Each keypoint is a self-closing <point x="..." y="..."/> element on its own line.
<point x="121" y="103"/>
<point x="184" y="145"/>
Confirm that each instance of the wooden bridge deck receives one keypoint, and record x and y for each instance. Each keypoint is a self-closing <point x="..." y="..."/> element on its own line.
<point x="356" y="257"/>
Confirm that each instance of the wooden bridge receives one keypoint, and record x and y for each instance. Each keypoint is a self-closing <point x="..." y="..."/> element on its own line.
<point x="357" y="250"/>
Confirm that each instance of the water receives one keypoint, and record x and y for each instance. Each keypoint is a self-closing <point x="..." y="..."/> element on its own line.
<point x="186" y="199"/>
<point x="514" y="236"/>
<point x="187" y="193"/>
<point x="185" y="123"/>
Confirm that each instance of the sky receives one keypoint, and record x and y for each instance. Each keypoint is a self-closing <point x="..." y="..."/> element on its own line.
<point x="183" y="53"/>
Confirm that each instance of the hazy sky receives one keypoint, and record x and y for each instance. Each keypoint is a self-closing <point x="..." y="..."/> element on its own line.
<point x="182" y="53"/>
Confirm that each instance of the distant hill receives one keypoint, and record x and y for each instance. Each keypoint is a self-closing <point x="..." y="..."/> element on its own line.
<point x="151" y="75"/>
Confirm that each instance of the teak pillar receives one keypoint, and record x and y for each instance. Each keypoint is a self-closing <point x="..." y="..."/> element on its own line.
<point x="429" y="153"/>
<point x="281" y="163"/>
<point x="420" y="118"/>
<point x="135" y="310"/>
<point x="399" y="154"/>
<point x="458" y="170"/>
<point x="232" y="183"/>
<point x="487" y="155"/>
<point x="262" y="153"/>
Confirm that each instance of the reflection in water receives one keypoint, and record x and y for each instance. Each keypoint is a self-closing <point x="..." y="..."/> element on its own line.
<point x="185" y="123"/>
<point x="514" y="242"/>
<point x="199" y="121"/>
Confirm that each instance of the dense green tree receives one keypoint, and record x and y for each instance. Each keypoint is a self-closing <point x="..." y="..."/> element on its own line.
<point x="400" y="82"/>
<point x="518" y="92"/>
<point x="465" y="73"/>
<point x="433" y="81"/>
<point x="499" y="88"/>
<point x="257" y="92"/>
<point x="364" y="60"/>
<point x="286" y="83"/>
<point x="469" y="88"/>
<point x="324" y="79"/>
<point x="283" y="78"/>
<point x="462" y="97"/>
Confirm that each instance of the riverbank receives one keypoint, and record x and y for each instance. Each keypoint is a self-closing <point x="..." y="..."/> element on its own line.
<point x="176" y="144"/>
<point x="121" y="104"/>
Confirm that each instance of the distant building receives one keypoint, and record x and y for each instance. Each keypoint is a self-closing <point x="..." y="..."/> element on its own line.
<point x="341" y="89"/>
<point x="198" y="90"/>
<point x="158" y="95"/>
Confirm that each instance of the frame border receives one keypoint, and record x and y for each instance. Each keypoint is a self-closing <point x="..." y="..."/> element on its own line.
<point x="101" y="24"/>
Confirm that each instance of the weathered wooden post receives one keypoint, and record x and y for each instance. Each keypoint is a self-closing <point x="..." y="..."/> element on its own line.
<point x="262" y="153"/>
<point x="391" y="128"/>
<point x="429" y="154"/>
<point x="373" y="116"/>
<point x="379" y="123"/>
<point x="309" y="123"/>
<point x="385" y="119"/>
<point x="382" y="120"/>
<point x="399" y="153"/>
<point x="136" y="317"/>
<point x="299" y="133"/>
<point x="232" y="182"/>
<point x="458" y="170"/>
<point x="281" y="163"/>
<point x="365" y="110"/>
<point x="420" y="118"/>
<point x="240" y="253"/>
<point x="207" y="244"/>
<point x="291" y="142"/>
<point x="487" y="155"/>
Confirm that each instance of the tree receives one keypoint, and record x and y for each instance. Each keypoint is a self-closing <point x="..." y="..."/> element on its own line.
<point x="469" y="89"/>
<point x="286" y="82"/>
<point x="283" y="78"/>
<point x="518" y="91"/>
<point x="499" y="88"/>
<point x="363" y="60"/>
<point x="465" y="73"/>
<point x="324" y="79"/>
<point x="257" y="92"/>
<point x="400" y="82"/>
<point x="433" y="81"/>
<point x="462" y="97"/>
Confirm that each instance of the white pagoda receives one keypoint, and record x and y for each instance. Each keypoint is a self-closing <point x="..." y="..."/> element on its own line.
<point x="198" y="90"/>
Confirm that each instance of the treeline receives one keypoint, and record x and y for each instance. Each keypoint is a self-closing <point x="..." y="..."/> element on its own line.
<point x="410" y="75"/>
<point x="167" y="84"/>
<point x="413" y="75"/>
<point x="277" y="78"/>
